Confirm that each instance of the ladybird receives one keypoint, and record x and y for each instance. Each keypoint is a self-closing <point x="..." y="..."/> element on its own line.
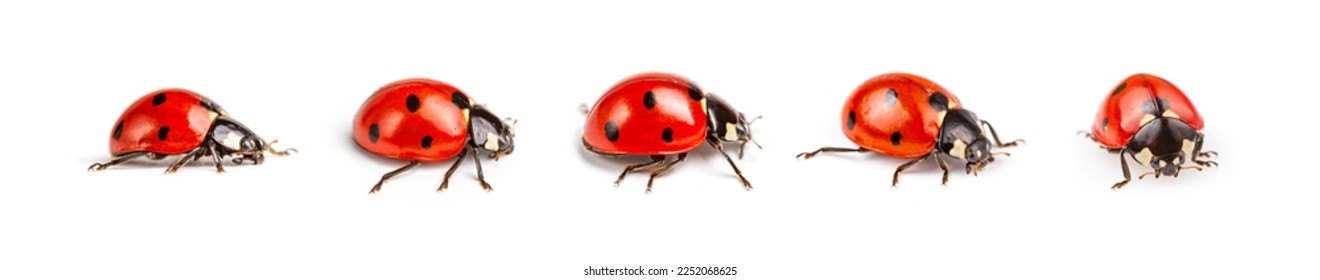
<point x="661" y="115"/>
<point x="907" y="116"/>
<point x="424" y="120"/>
<point x="1153" y="122"/>
<point x="177" y="121"/>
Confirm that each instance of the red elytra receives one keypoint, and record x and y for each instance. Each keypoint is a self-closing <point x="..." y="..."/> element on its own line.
<point x="424" y="120"/>
<point x="907" y="125"/>
<point x="1149" y="118"/>
<point x="168" y="121"/>
<point x="648" y="114"/>
<point x="414" y="119"/>
<point x="659" y="115"/>
<point x="908" y="116"/>
<point x="1128" y="108"/>
<point x="177" y="121"/>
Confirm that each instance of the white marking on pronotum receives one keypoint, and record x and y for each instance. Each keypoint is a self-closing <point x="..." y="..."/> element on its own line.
<point x="466" y="115"/>
<point x="232" y="140"/>
<point x="1188" y="148"/>
<point x="730" y="132"/>
<point x="492" y="141"/>
<point x="1144" y="156"/>
<point x="1170" y="114"/>
<point x="959" y="149"/>
<point x="1146" y="119"/>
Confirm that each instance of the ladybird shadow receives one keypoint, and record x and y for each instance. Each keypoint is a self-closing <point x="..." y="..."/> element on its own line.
<point x="379" y="160"/>
<point x="162" y="164"/>
<point x="605" y="162"/>
<point x="879" y="164"/>
<point x="1105" y="168"/>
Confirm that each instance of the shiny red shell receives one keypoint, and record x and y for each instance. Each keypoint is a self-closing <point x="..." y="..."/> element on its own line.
<point x="647" y="114"/>
<point x="168" y="121"/>
<point x="414" y="119"/>
<point x="892" y="114"/>
<point x="1122" y="114"/>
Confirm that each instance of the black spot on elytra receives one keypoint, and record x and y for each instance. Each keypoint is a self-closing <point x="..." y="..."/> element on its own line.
<point x="896" y="138"/>
<point x="159" y="99"/>
<point x="426" y="142"/>
<point x="695" y="93"/>
<point x="852" y="119"/>
<point x="119" y="130"/>
<point x="374" y="133"/>
<point x="1104" y="124"/>
<point x="1118" y="89"/>
<point x="667" y="135"/>
<point x="611" y="131"/>
<point x="649" y="100"/>
<point x="461" y="100"/>
<point x="891" y="97"/>
<point x="164" y="131"/>
<point x="414" y="103"/>
<point x="939" y="101"/>
<point x="1155" y="106"/>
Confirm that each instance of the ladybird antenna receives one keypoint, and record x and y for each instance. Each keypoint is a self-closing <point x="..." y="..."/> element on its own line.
<point x="512" y="124"/>
<point x="270" y="148"/>
<point x="749" y="132"/>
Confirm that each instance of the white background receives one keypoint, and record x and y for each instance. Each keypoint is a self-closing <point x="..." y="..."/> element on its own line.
<point x="298" y="71"/>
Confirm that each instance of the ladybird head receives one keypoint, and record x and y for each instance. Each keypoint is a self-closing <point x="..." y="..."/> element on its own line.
<point x="961" y="137"/>
<point x="490" y="133"/>
<point x="1165" y="145"/>
<point x="727" y="124"/>
<point x="233" y="138"/>
<point x="979" y="151"/>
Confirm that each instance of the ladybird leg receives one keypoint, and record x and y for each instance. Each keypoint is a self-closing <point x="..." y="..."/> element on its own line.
<point x="747" y="185"/>
<point x="904" y="167"/>
<point x="444" y="184"/>
<point x="185" y="160"/>
<point x="975" y="168"/>
<point x="1197" y="154"/>
<point x="945" y="166"/>
<point x="391" y="174"/>
<point x="1203" y="158"/>
<point x="663" y="169"/>
<point x="1157" y="173"/>
<point x="216" y="157"/>
<point x="654" y="160"/>
<point x="741" y="146"/>
<point x="481" y="176"/>
<point x="584" y="109"/>
<point x="811" y="154"/>
<point x="1127" y="175"/>
<point x="1088" y="135"/>
<point x="1148" y="173"/>
<point x="996" y="136"/>
<point x="121" y="159"/>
